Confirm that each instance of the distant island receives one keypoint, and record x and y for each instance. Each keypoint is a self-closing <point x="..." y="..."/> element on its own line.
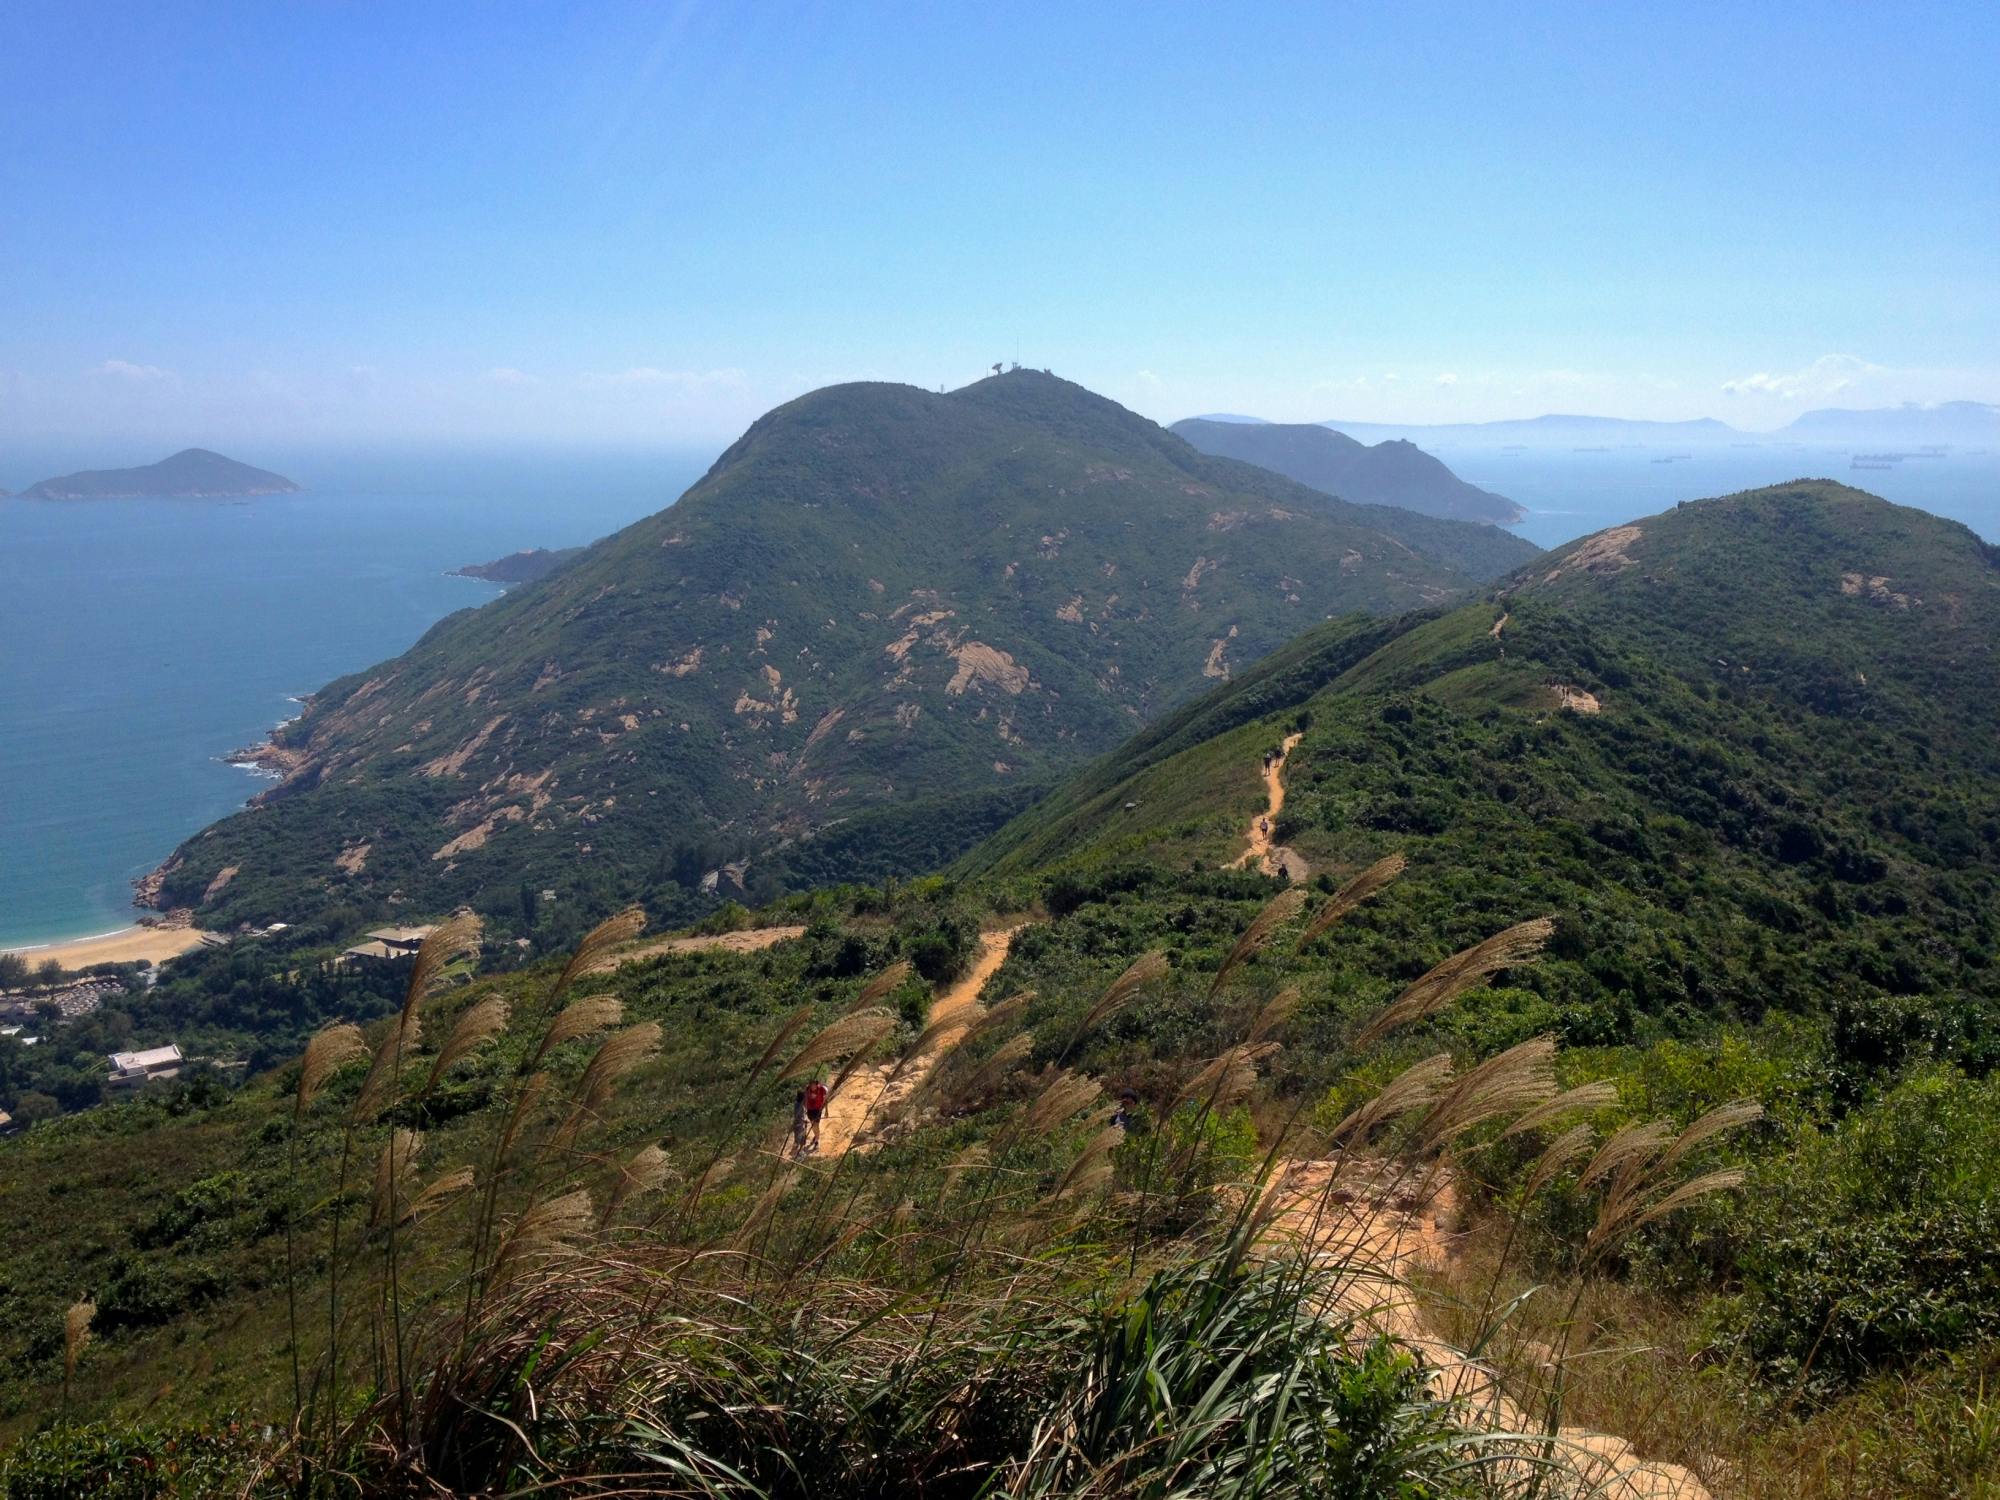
<point x="1388" y="473"/>
<point x="519" y="567"/>
<point x="191" y="474"/>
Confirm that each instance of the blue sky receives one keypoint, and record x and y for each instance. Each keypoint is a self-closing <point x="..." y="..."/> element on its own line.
<point x="645" y="222"/>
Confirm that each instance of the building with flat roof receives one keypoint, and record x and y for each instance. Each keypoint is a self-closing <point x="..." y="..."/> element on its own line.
<point x="130" y="1069"/>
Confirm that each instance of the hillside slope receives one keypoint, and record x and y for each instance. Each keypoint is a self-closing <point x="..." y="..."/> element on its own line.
<point x="1751" y="747"/>
<point x="882" y="621"/>
<point x="1387" y="473"/>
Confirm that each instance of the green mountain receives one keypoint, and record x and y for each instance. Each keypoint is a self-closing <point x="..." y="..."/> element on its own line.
<point x="876" y="629"/>
<point x="1388" y="473"/>
<point x="191" y="474"/>
<point x="1750" y="748"/>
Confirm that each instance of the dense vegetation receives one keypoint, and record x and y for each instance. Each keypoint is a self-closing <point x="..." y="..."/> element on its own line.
<point x="1772" y="861"/>
<point x="884" y="621"/>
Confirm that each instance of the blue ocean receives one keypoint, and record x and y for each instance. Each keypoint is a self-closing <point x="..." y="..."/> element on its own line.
<point x="141" y="641"/>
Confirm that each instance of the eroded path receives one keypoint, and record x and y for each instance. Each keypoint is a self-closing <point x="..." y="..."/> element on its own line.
<point x="1380" y="1225"/>
<point x="868" y="1098"/>
<point x="749" y="941"/>
<point x="1263" y="855"/>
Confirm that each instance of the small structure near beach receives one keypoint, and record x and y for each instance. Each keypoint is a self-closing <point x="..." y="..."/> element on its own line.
<point x="130" y="1070"/>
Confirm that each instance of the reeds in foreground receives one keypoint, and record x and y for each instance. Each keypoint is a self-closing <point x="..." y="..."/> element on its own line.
<point x="1376" y="878"/>
<point x="1461" y="972"/>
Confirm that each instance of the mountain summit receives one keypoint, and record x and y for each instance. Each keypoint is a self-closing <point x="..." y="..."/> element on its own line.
<point x="191" y="474"/>
<point x="881" y="623"/>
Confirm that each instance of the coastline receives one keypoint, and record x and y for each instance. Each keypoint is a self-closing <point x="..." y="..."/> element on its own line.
<point x="134" y="944"/>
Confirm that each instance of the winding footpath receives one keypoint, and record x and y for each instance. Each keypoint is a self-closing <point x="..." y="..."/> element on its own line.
<point x="1263" y="855"/>
<point x="868" y="1098"/>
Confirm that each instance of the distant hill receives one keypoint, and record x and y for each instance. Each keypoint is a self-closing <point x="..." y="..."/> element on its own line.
<point x="1950" y="423"/>
<point x="1748" y="748"/>
<point x="191" y="474"/>
<point x="882" y="623"/>
<point x="1389" y="473"/>
<point x="519" y="567"/>
<point x="1553" y="431"/>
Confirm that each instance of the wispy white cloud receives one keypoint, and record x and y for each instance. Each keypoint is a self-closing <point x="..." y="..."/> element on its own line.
<point x="124" y="369"/>
<point x="1828" y="375"/>
<point x="1446" y="379"/>
<point x="1147" y="377"/>
<point x="508" y="375"/>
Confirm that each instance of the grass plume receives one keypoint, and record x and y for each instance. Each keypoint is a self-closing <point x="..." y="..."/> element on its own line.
<point x="1280" y="910"/>
<point x="1461" y="972"/>
<point x="1369" y="882"/>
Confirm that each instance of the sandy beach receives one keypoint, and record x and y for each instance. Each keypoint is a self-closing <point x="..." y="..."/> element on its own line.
<point x="127" y="945"/>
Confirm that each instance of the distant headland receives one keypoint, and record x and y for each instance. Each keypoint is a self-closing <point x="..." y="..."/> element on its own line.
<point x="191" y="474"/>
<point x="519" y="567"/>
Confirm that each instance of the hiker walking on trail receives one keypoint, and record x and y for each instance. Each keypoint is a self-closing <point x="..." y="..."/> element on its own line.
<point x="815" y="1103"/>
<point x="799" y="1123"/>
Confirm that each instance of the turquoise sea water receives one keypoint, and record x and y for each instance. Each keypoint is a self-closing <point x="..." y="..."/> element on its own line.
<point x="142" y="640"/>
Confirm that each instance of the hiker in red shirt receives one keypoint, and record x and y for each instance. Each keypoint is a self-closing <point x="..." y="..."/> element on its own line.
<point x="815" y="1107"/>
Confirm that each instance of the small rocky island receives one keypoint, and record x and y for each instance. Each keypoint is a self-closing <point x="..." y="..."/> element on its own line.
<point x="519" y="567"/>
<point x="191" y="474"/>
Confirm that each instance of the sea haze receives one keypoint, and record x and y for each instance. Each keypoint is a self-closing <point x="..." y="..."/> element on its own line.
<point x="145" y="639"/>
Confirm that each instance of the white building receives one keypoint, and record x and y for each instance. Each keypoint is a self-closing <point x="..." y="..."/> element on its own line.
<point x="130" y="1069"/>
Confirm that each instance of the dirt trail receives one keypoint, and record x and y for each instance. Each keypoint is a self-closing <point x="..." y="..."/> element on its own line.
<point x="1381" y="1225"/>
<point x="867" y="1097"/>
<point x="1270" y="858"/>
<point x="730" y="942"/>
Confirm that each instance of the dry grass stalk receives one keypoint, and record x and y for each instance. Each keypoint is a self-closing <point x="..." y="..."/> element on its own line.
<point x="1585" y="1098"/>
<point x="394" y="1169"/>
<point x="1281" y="909"/>
<point x="760" y="1211"/>
<point x="406" y="1032"/>
<point x="998" y="1018"/>
<point x="1359" y="889"/>
<point x="436" y="1193"/>
<point x="1723" y="1117"/>
<point x="707" y="1178"/>
<point x="1068" y="1095"/>
<point x="974" y="1157"/>
<point x="547" y="1226"/>
<point x="1457" y="974"/>
<point x="647" y="1171"/>
<point x="1686" y="1193"/>
<point x="982" y="1078"/>
<point x="794" y="1024"/>
<point x="879" y="986"/>
<point x="857" y="1032"/>
<point x="1225" y="1080"/>
<point x="581" y="1017"/>
<point x="1416" y="1087"/>
<point x="1626" y="1150"/>
<point x="1092" y="1167"/>
<point x="1147" y="969"/>
<point x="76" y="1334"/>
<point x="332" y="1049"/>
<point x="453" y="939"/>
<point x="1515" y="1080"/>
<point x="530" y="1095"/>
<point x="621" y="1053"/>
<point x="595" y="952"/>
<point x="1277" y="1011"/>
<point x="476" y="1025"/>
<point x="848" y="1070"/>
<point x="1558" y="1154"/>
